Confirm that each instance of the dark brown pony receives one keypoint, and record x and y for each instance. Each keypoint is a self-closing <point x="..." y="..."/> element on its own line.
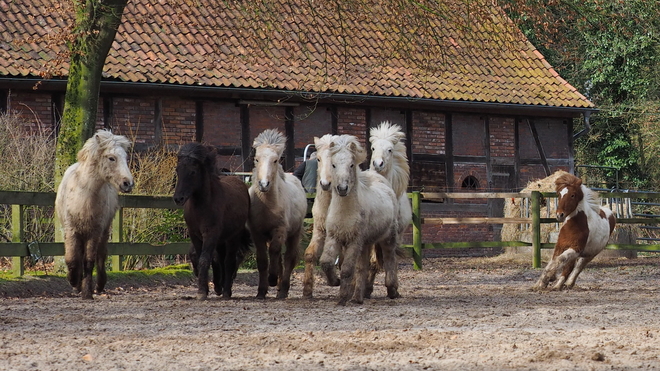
<point x="216" y="210"/>
<point x="585" y="233"/>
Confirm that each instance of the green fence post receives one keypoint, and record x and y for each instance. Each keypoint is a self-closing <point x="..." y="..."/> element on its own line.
<point x="117" y="236"/>
<point x="417" y="230"/>
<point x="536" y="229"/>
<point x="17" y="235"/>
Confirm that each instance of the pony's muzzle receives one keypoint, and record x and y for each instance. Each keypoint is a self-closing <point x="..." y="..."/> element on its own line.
<point x="264" y="185"/>
<point x="342" y="189"/>
<point x="378" y="164"/>
<point x="180" y="200"/>
<point x="325" y="185"/>
<point x="127" y="185"/>
<point x="561" y="217"/>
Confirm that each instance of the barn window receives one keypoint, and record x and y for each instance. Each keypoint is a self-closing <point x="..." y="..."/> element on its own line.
<point x="470" y="183"/>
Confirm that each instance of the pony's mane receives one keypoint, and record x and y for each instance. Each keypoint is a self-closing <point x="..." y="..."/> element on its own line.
<point x="590" y="199"/>
<point x="323" y="142"/>
<point x="201" y="153"/>
<point x="346" y="141"/>
<point x="100" y="142"/>
<point x="271" y="137"/>
<point x="400" y="171"/>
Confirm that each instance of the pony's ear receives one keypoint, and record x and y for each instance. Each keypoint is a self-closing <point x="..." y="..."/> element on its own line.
<point x="578" y="182"/>
<point x="399" y="136"/>
<point x="358" y="152"/>
<point x="316" y="141"/>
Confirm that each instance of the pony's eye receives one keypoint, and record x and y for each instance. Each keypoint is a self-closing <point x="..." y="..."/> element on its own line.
<point x="390" y="150"/>
<point x="112" y="159"/>
<point x="256" y="160"/>
<point x="274" y="161"/>
<point x="352" y="165"/>
<point x="333" y="166"/>
<point x="372" y="149"/>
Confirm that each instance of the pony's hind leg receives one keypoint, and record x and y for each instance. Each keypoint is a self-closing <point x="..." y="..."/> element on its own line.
<point x="88" y="268"/>
<point x="361" y="274"/>
<point x="275" y="256"/>
<point x="218" y="273"/>
<point x="579" y="266"/>
<point x="262" y="264"/>
<point x="101" y="255"/>
<point x="375" y="264"/>
<point x="203" y="265"/>
<point x="291" y="257"/>
<point x="391" y="267"/>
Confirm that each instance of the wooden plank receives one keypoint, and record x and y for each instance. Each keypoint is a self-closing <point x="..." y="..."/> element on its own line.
<point x="468" y="195"/>
<point x="475" y="220"/>
<point x="122" y="248"/>
<point x="147" y="202"/>
<point x="470" y="244"/>
<point x="27" y="198"/>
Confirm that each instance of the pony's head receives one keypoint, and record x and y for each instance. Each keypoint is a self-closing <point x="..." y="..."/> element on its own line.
<point x="569" y="189"/>
<point x="106" y="154"/>
<point x="323" y="171"/>
<point x="269" y="147"/>
<point x="195" y="164"/>
<point x="346" y="154"/>
<point x="385" y="140"/>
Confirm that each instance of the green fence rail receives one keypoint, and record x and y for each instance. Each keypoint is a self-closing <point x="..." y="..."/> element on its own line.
<point x="18" y="248"/>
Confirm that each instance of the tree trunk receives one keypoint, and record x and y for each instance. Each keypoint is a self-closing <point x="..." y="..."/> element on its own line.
<point x="94" y="31"/>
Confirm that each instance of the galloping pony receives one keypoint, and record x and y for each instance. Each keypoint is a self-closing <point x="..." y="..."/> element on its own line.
<point x="319" y="212"/>
<point x="278" y="208"/>
<point x="87" y="200"/>
<point x="362" y="212"/>
<point x="389" y="158"/>
<point x="216" y="210"/>
<point x="584" y="235"/>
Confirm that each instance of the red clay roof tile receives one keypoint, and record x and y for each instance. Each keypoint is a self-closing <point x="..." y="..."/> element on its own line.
<point x="368" y="50"/>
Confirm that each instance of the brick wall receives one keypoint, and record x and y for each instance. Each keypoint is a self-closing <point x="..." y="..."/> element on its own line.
<point x="428" y="135"/>
<point x="133" y="118"/>
<point x="310" y="122"/>
<point x="262" y="118"/>
<point x="179" y="118"/>
<point x="468" y="135"/>
<point x="352" y="121"/>
<point x="502" y="137"/>
<point x="33" y="108"/>
<point x="222" y="124"/>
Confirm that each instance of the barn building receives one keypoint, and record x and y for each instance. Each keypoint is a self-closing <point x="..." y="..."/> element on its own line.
<point x="481" y="107"/>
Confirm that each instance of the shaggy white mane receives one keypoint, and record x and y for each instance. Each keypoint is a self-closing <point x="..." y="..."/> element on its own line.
<point x="399" y="173"/>
<point x="352" y="143"/>
<point x="271" y="137"/>
<point x="104" y="140"/>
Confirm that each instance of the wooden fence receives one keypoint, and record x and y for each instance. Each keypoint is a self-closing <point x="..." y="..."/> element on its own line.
<point x="19" y="248"/>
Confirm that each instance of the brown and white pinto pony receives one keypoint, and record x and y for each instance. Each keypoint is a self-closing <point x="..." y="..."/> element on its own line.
<point x="584" y="235"/>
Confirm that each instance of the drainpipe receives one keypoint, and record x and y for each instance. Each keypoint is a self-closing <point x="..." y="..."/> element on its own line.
<point x="587" y="126"/>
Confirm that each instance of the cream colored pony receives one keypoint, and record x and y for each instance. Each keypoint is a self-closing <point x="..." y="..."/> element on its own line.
<point x="319" y="211"/>
<point x="278" y="208"/>
<point x="87" y="200"/>
<point x="389" y="158"/>
<point x="362" y="212"/>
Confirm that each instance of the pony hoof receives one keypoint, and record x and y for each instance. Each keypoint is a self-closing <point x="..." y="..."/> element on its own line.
<point x="261" y="295"/>
<point x="88" y="297"/>
<point x="282" y="295"/>
<point x="335" y="282"/>
<point x="393" y="293"/>
<point x="202" y="296"/>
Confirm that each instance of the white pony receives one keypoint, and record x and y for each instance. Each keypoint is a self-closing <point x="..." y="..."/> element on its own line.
<point x="389" y="158"/>
<point x="319" y="212"/>
<point x="87" y="199"/>
<point x="277" y="211"/>
<point x="362" y="212"/>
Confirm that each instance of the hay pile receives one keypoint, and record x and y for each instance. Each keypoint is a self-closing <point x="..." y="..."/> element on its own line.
<point x="520" y="208"/>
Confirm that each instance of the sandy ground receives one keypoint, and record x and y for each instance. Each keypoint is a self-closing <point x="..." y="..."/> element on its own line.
<point x="456" y="314"/>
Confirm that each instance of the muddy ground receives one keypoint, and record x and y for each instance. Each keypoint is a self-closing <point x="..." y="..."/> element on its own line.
<point x="456" y="314"/>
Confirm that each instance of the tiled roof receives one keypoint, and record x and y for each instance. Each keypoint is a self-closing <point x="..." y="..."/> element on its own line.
<point x="290" y="46"/>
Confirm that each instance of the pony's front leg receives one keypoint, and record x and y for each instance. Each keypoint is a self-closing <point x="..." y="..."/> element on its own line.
<point x="89" y="259"/>
<point x="262" y="264"/>
<point x="311" y="256"/>
<point x="331" y="249"/>
<point x="361" y="274"/>
<point x="291" y="258"/>
<point x="352" y="253"/>
<point x="203" y="265"/>
<point x="275" y="256"/>
<point x="74" y="252"/>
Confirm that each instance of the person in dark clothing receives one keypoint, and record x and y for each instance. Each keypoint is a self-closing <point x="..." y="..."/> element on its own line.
<point x="306" y="172"/>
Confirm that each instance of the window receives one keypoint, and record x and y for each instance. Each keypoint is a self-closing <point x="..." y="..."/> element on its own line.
<point x="470" y="183"/>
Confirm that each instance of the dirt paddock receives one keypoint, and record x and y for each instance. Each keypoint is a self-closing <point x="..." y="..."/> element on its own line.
<point x="456" y="314"/>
